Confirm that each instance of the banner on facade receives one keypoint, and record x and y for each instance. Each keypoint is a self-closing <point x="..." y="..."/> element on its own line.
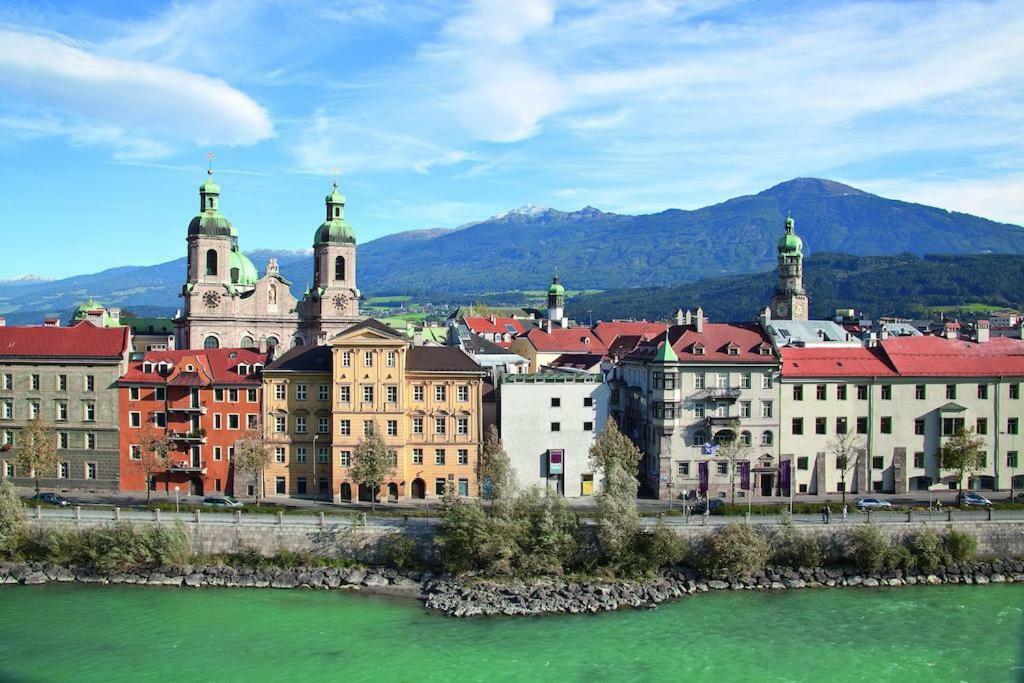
<point x="784" y="475"/>
<point x="710" y="448"/>
<point x="745" y="475"/>
<point x="702" y="472"/>
<point x="555" y="458"/>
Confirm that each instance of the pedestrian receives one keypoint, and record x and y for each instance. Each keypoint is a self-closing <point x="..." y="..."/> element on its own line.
<point x="846" y="514"/>
<point x="828" y="514"/>
<point x="824" y="519"/>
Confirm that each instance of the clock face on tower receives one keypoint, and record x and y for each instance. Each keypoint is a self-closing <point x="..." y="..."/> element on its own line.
<point x="340" y="300"/>
<point x="211" y="299"/>
<point x="782" y="308"/>
<point x="798" y="308"/>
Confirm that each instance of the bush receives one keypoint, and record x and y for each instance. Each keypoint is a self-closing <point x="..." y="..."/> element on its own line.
<point x="108" y="548"/>
<point x="866" y="548"/>
<point x="399" y="550"/>
<point x="732" y="550"/>
<point x="928" y="551"/>
<point x="960" y="546"/>
<point x="12" y="519"/>
<point x="544" y="534"/>
<point x="652" y="550"/>
<point x="898" y="556"/>
<point x="793" y="549"/>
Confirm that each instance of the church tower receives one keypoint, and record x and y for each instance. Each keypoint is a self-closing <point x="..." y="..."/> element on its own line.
<point x="790" y="300"/>
<point x="332" y="304"/>
<point x="556" y="303"/>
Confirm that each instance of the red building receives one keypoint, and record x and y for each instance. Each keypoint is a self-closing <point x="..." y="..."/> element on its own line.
<point x="203" y="400"/>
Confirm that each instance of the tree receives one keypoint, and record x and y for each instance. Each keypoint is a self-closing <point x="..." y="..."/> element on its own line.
<point x="252" y="456"/>
<point x="12" y="520"/>
<point x="372" y="463"/>
<point x="497" y="480"/>
<point x="848" y="448"/>
<point x="617" y="459"/>
<point x="962" y="454"/>
<point x="37" y="451"/>
<point x="735" y="451"/>
<point x="155" y="456"/>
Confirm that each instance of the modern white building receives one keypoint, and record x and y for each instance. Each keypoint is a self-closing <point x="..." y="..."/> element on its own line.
<point x="548" y="422"/>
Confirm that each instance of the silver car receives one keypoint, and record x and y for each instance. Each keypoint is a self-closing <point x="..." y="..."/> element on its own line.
<point x="221" y="502"/>
<point x="873" y="504"/>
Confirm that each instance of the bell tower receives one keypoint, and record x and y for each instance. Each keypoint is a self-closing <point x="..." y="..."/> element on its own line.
<point x="790" y="299"/>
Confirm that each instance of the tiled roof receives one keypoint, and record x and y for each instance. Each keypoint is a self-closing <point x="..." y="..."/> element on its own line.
<point x="373" y="324"/>
<point x="303" y="359"/>
<point x="566" y="340"/>
<point x="834" y="362"/>
<point x="81" y="340"/>
<point x="439" y="359"/>
<point x="939" y="357"/>
<point x="608" y="332"/>
<point x="577" y="361"/>
<point x="476" y="344"/>
<point x="715" y="341"/>
<point x="211" y="366"/>
<point x="482" y="324"/>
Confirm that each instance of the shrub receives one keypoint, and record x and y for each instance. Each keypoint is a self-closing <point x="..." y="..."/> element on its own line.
<point x="544" y="534"/>
<point x="793" y="549"/>
<point x="399" y="550"/>
<point x="732" y="550"/>
<point x="960" y="546"/>
<point x="926" y="546"/>
<point x="898" y="556"/>
<point x="12" y="520"/>
<point x="652" y="550"/>
<point x="866" y="548"/>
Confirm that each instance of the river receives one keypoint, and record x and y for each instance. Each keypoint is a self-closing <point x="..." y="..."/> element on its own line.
<point x="66" y="632"/>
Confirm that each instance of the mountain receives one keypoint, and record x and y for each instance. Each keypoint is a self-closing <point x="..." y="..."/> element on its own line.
<point x="902" y="285"/>
<point x="589" y="249"/>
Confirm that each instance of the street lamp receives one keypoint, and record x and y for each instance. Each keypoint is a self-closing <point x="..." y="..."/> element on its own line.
<point x="316" y="484"/>
<point x="176" y="489"/>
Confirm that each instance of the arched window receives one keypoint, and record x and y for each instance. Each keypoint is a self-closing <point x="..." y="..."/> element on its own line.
<point x="234" y="276"/>
<point x="211" y="262"/>
<point x="247" y="342"/>
<point x="211" y="342"/>
<point x="766" y="439"/>
<point x="209" y="202"/>
<point x="297" y="341"/>
<point x="339" y="268"/>
<point x="337" y="212"/>
<point x="272" y="342"/>
<point x="745" y="438"/>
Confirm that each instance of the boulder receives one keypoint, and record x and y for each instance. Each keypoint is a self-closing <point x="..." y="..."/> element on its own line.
<point x="34" y="579"/>
<point x="870" y="581"/>
<point x="194" y="580"/>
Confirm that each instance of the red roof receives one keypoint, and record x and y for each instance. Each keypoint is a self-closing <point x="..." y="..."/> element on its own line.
<point x="941" y="357"/>
<point x="566" y="340"/>
<point x="608" y="332"/>
<point x="577" y="361"/>
<point x="834" y="362"/>
<point x="209" y="366"/>
<point x="481" y="324"/>
<point x="81" y="340"/>
<point x="746" y="339"/>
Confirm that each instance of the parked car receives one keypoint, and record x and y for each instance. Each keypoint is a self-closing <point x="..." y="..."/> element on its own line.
<point x="873" y="504"/>
<point x="715" y="504"/>
<point x="50" y="499"/>
<point x="970" y="499"/>
<point x="221" y="502"/>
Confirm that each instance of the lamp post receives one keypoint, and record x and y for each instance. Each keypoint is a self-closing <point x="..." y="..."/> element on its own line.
<point x="176" y="509"/>
<point x="316" y="484"/>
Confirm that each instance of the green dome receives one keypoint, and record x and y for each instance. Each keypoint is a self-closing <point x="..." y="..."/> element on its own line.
<point x="335" y="231"/>
<point x="335" y="197"/>
<point x="556" y="289"/>
<point x="211" y="224"/>
<point x="790" y="244"/>
<point x="209" y="187"/>
<point x="247" y="273"/>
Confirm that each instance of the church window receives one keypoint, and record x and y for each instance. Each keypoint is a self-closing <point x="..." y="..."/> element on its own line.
<point x="272" y="342"/>
<point x="247" y="342"/>
<point x="211" y="343"/>
<point x="339" y="268"/>
<point x="211" y="262"/>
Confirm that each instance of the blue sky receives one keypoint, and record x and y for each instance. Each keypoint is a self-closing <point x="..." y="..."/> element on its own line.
<point x="440" y="113"/>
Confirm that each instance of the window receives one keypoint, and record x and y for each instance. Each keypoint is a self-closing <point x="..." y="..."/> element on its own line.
<point x="950" y="425"/>
<point x="439" y="486"/>
<point x="699" y="438"/>
<point x="62" y="411"/>
<point x="417" y="392"/>
<point x="391" y="394"/>
<point x="841" y="425"/>
<point x="722" y="467"/>
<point x="440" y="393"/>
<point x="300" y="425"/>
<point x="841" y="392"/>
<point x="981" y="427"/>
<point x="417" y="425"/>
<point x="252" y="421"/>
<point x="1012" y="425"/>
<point x="463" y="456"/>
<point x="7" y="411"/>
<point x="160" y="393"/>
<point x="160" y="419"/>
<point x="698" y="380"/>
<point x="218" y="453"/>
<point x="368" y="394"/>
<point x="323" y="425"/>
<point x="698" y="410"/>
<point x="323" y="455"/>
<point x="235" y="423"/>
<point x="392" y="427"/>
<point x="90" y="412"/>
<point x="33" y="409"/>
<point x="1011" y="458"/>
<point x="339" y="268"/>
<point x="279" y="424"/>
<point x="920" y="392"/>
<point x="744" y="408"/>
<point x="9" y="381"/>
<point x="323" y="392"/>
<point x="983" y="391"/>
<point x="346" y="359"/>
<point x="798" y="392"/>
<point x="462" y="424"/>
<point x="279" y="454"/>
<point x="766" y="381"/>
<point x="345" y="458"/>
<point x="556" y="426"/>
<point x="766" y="409"/>
<point x="588" y="426"/>
<point x="211" y="262"/>
<point x="8" y="438"/>
<point x="722" y="380"/>
<point x="280" y="486"/>
<point x="133" y="393"/>
<point x="919" y="459"/>
<point x="950" y="391"/>
<point x="233" y="395"/>
<point x="886" y="392"/>
<point x="33" y="382"/>
<point x="821" y="392"/>
<point x="588" y="401"/>
<point x="877" y="462"/>
<point x="8" y="469"/>
<point x="683" y="469"/>
<point x="300" y="392"/>
<point x="90" y="383"/>
<point x="90" y="470"/>
<point x="862" y="425"/>
<point x="982" y="459"/>
<point x="745" y="380"/>
<point x="801" y="462"/>
<point x="746" y="439"/>
<point x="135" y="452"/>
<point x="392" y="358"/>
<point x="462" y="393"/>
<point x="62" y="441"/>
<point x="1015" y="391"/>
<point x="345" y="427"/>
<point x="300" y="455"/>
<point x="440" y="425"/>
<point x="820" y="425"/>
<point x="665" y="380"/>
<point x="368" y="427"/>
<point x="798" y="426"/>
<point x="217" y="421"/>
<point x="438" y="456"/>
<point x="767" y="439"/>
<point x="135" y="420"/>
<point x="862" y="392"/>
<point x="886" y="425"/>
<point x="368" y="359"/>
<point x="919" y="426"/>
<point x="344" y="394"/>
<point x="218" y="394"/>
<point x="250" y="396"/>
<point x="417" y="456"/>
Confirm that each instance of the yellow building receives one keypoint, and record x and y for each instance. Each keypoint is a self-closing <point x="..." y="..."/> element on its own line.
<point x="424" y="400"/>
<point x="297" y="423"/>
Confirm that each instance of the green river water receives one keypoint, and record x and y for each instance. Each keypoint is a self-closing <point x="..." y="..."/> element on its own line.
<point x="62" y="632"/>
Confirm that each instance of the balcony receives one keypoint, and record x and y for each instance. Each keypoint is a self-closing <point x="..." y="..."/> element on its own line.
<point x="718" y="421"/>
<point x="717" y="394"/>
<point x="190" y="410"/>
<point x="194" y="466"/>
<point x="189" y="437"/>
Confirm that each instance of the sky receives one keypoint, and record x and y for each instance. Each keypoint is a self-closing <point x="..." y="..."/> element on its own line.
<point x="439" y="113"/>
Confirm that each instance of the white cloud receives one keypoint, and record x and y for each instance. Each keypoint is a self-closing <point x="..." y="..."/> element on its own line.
<point x="999" y="199"/>
<point x="129" y="104"/>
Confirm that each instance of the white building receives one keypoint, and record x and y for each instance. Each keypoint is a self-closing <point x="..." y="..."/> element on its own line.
<point x="548" y="422"/>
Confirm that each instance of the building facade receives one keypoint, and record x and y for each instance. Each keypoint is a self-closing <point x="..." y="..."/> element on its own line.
<point x="66" y="377"/>
<point x="203" y="401"/>
<point x="548" y="422"/>
<point x="229" y="304"/>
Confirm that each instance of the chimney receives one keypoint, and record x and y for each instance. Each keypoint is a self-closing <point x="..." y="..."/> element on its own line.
<point x="547" y="326"/>
<point x="3" y="321"/>
<point x="51" y="322"/>
<point x="982" y="330"/>
<point x="700" y="320"/>
<point x="679" y="316"/>
<point x="688" y="319"/>
<point x="766" y="317"/>
<point x="949" y="330"/>
<point x="884" y="334"/>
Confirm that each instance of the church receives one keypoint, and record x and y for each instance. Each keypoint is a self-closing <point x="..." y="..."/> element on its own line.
<point x="229" y="304"/>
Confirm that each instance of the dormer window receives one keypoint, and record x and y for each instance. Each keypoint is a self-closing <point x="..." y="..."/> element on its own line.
<point x="697" y="349"/>
<point x="147" y="367"/>
<point x="257" y="367"/>
<point x="765" y="349"/>
<point x="732" y="350"/>
<point x="243" y="369"/>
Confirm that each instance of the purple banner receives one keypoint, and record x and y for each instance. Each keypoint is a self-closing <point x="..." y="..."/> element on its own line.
<point x="702" y="474"/>
<point x="745" y="475"/>
<point x="784" y="473"/>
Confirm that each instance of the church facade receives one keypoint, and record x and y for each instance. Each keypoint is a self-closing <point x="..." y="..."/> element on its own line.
<point x="229" y="304"/>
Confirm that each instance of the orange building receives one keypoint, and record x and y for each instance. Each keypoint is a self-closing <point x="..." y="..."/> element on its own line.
<point x="204" y="401"/>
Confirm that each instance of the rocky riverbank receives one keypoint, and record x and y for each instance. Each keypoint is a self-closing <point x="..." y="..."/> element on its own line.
<point x="462" y="598"/>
